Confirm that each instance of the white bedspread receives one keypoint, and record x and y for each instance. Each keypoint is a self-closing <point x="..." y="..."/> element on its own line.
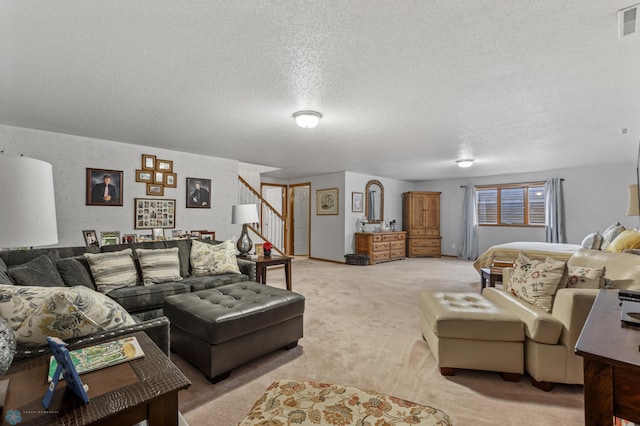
<point x="535" y="250"/>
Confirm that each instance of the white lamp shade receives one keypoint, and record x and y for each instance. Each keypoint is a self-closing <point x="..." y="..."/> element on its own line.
<point x="633" y="208"/>
<point x="244" y="213"/>
<point x="28" y="207"/>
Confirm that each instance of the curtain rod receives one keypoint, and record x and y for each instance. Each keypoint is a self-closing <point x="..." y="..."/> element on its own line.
<point x="505" y="184"/>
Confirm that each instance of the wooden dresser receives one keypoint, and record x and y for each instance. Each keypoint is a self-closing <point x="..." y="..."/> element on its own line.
<point x="381" y="246"/>
<point x="421" y="220"/>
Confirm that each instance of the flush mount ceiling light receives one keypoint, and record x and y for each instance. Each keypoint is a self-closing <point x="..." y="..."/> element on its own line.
<point x="307" y="119"/>
<point x="465" y="163"/>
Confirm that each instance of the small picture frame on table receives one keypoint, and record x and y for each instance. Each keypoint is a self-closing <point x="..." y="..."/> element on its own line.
<point x="110" y="238"/>
<point x="259" y="250"/>
<point x="129" y="238"/>
<point x="90" y="238"/>
<point x="207" y="235"/>
<point x="158" y="234"/>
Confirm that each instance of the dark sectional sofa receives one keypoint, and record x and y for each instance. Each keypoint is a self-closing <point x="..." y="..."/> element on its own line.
<point x="145" y="303"/>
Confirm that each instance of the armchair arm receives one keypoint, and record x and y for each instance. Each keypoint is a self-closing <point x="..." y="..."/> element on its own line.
<point x="247" y="267"/>
<point x="572" y="306"/>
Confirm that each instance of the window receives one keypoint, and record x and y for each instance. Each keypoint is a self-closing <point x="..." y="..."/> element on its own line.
<point x="511" y="205"/>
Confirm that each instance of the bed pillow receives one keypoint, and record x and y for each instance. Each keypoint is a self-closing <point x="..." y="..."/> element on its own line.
<point x="610" y="234"/>
<point x="583" y="277"/>
<point x="40" y="271"/>
<point x="34" y="313"/>
<point x="208" y="259"/>
<point x="626" y="240"/>
<point x="112" y="270"/>
<point x="592" y="241"/>
<point x="159" y="265"/>
<point x="536" y="281"/>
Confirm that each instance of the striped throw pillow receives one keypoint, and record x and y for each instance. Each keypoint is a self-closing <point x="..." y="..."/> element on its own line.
<point x="112" y="270"/>
<point x="159" y="265"/>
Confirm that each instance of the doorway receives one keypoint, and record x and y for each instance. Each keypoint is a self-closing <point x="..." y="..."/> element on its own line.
<point x="299" y="219"/>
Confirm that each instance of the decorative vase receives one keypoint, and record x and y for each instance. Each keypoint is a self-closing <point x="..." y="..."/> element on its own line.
<point x="267" y="252"/>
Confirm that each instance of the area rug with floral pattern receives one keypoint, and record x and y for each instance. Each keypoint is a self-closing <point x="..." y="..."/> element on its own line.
<point x="289" y="402"/>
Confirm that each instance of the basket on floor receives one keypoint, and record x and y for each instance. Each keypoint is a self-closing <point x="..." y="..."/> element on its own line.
<point x="357" y="259"/>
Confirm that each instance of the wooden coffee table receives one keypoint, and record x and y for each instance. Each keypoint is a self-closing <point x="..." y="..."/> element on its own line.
<point x="145" y="388"/>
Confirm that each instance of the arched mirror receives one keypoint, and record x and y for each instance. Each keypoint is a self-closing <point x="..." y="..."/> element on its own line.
<point x="374" y="203"/>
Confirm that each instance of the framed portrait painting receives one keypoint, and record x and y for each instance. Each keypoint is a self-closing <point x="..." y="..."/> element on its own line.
<point x="357" y="205"/>
<point x="198" y="193"/>
<point x="104" y="187"/>
<point x="327" y="201"/>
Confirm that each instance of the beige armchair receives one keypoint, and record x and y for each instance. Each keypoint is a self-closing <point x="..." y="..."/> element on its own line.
<point x="550" y="338"/>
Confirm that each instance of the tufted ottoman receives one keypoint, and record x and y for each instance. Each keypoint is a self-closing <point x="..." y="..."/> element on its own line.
<point x="466" y="330"/>
<point x="221" y="328"/>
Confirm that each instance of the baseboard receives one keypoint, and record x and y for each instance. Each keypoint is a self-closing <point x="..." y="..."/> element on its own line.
<point x="328" y="260"/>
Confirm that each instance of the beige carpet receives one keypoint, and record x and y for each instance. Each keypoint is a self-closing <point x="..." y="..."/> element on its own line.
<point x="361" y="329"/>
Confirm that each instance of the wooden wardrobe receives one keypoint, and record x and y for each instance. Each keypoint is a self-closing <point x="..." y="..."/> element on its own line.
<point x="421" y="220"/>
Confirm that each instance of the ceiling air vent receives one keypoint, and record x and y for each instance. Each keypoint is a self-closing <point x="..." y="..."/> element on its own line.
<point x="628" y="21"/>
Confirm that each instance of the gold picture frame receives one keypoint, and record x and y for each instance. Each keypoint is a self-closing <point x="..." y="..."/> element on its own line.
<point x="327" y="202"/>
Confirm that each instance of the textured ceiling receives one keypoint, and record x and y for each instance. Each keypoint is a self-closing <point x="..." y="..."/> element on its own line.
<point x="405" y="87"/>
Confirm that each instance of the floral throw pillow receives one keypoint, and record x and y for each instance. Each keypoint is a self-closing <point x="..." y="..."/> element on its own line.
<point x="210" y="259"/>
<point x="583" y="277"/>
<point x="536" y="281"/>
<point x="34" y="313"/>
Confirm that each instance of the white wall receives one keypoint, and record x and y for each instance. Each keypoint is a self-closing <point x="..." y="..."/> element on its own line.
<point x="595" y="197"/>
<point x="71" y="155"/>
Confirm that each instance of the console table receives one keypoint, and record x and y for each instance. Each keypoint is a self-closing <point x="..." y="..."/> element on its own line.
<point x="611" y="363"/>
<point x="381" y="246"/>
<point x="145" y="388"/>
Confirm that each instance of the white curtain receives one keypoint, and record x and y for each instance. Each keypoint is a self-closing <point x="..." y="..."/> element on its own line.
<point x="468" y="242"/>
<point x="555" y="227"/>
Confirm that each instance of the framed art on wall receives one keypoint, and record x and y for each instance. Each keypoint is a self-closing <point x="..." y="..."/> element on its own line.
<point x="357" y="202"/>
<point x="327" y="201"/>
<point x="152" y="213"/>
<point x="148" y="162"/>
<point x="104" y="187"/>
<point x="198" y="193"/>
<point x="155" y="189"/>
<point x="144" y="176"/>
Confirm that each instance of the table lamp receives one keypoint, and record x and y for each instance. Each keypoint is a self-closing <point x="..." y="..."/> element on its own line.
<point x="244" y="214"/>
<point x="28" y="213"/>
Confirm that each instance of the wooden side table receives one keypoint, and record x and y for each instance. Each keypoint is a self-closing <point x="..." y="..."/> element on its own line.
<point x="486" y="274"/>
<point x="145" y="388"/>
<point x="263" y="262"/>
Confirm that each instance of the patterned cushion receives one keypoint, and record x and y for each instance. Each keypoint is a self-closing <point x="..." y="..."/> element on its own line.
<point x="39" y="272"/>
<point x="293" y="402"/>
<point x="592" y="241"/>
<point x="626" y="240"/>
<point x="159" y="266"/>
<point x="207" y="259"/>
<point x="610" y="234"/>
<point x="74" y="273"/>
<point x="37" y="312"/>
<point x="583" y="277"/>
<point x="536" y="281"/>
<point x="112" y="270"/>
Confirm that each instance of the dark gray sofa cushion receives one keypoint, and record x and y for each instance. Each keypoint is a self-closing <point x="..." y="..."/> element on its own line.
<point x="73" y="272"/>
<point x="144" y="298"/>
<point x="4" y="278"/>
<point x="203" y="283"/>
<point x="41" y="271"/>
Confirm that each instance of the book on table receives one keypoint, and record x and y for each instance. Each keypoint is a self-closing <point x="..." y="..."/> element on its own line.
<point x="101" y="355"/>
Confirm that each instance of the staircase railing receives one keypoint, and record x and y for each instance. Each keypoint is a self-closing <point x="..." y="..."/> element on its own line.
<point x="272" y="223"/>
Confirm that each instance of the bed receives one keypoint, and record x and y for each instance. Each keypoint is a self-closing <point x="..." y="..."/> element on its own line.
<point x="535" y="250"/>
